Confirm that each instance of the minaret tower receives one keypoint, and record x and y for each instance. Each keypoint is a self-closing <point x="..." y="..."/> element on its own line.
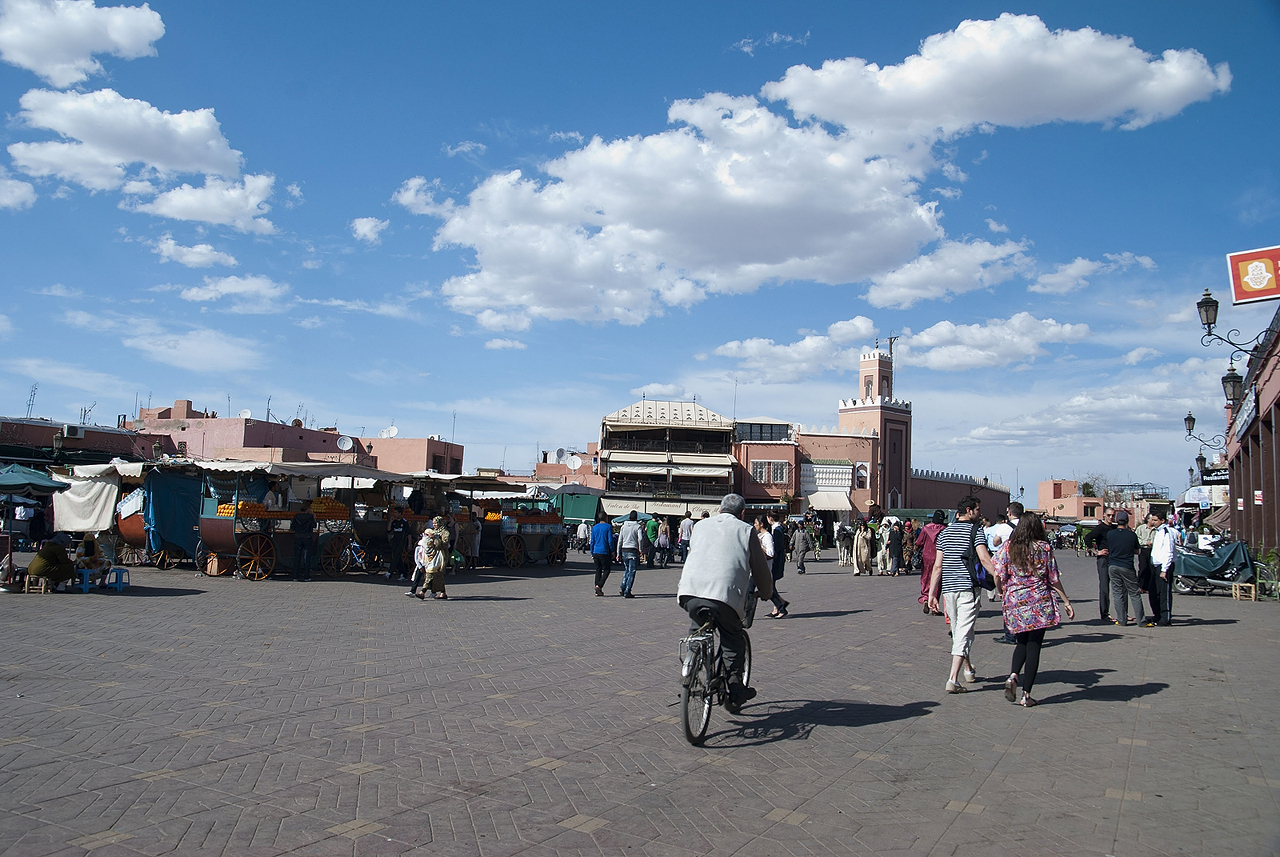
<point x="874" y="409"/>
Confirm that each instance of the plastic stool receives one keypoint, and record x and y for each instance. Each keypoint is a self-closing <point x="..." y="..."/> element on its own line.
<point x="84" y="582"/>
<point x="117" y="578"/>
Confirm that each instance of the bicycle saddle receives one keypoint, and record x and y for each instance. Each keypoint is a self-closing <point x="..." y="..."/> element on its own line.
<point x="705" y="615"/>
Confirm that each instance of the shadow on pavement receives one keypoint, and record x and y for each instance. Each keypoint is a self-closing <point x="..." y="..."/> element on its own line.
<point x="1090" y="637"/>
<point x="823" y="614"/>
<point x="1192" y="620"/>
<point x="795" y="719"/>
<point x="1104" y="692"/>
<point x="136" y="591"/>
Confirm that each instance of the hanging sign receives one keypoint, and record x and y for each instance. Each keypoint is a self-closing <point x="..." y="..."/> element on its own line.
<point x="1239" y="504"/>
<point x="1254" y="275"/>
<point x="1257" y="498"/>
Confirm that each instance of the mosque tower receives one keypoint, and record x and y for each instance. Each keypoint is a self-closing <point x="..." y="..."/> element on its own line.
<point x="874" y="409"/>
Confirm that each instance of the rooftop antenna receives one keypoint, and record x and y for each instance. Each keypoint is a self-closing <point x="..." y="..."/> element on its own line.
<point x="85" y="412"/>
<point x="454" y="432"/>
<point x="735" y="398"/>
<point x="228" y="403"/>
<point x="31" y="400"/>
<point x="892" y="339"/>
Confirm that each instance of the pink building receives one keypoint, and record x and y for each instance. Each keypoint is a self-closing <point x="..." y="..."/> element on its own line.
<point x="1061" y="498"/>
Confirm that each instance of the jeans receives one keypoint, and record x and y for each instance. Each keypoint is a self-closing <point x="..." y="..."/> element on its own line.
<point x="604" y="565"/>
<point x="732" y="636"/>
<point x="1124" y="593"/>
<point x="630" y="559"/>
<point x="1104" y="588"/>
<point x="303" y="556"/>
<point x="962" y="607"/>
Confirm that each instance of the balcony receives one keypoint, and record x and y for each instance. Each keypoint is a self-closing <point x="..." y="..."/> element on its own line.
<point x="661" y="489"/>
<point x="694" y="447"/>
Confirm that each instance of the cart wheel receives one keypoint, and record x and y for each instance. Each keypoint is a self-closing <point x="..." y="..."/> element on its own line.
<point x="127" y="554"/>
<point x="335" y="556"/>
<point x="256" y="557"/>
<point x="164" y="559"/>
<point x="557" y="553"/>
<point x="513" y="552"/>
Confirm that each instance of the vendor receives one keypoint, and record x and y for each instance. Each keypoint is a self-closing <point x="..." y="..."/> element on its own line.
<point x="89" y="555"/>
<point x="52" y="563"/>
<point x="275" y="499"/>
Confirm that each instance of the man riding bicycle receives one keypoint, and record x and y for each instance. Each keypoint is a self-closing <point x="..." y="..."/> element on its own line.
<point x="725" y="557"/>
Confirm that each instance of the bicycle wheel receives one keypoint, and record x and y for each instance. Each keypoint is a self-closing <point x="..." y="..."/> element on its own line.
<point x="695" y="702"/>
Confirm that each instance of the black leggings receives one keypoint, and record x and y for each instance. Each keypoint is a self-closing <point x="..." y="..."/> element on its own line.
<point x="1026" y="657"/>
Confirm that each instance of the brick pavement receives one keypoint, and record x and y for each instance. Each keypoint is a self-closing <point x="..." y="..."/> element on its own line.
<point x="525" y="716"/>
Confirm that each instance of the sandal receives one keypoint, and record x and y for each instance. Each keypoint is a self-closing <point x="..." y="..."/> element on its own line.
<point x="1027" y="702"/>
<point x="952" y="687"/>
<point x="442" y="597"/>
<point x="1011" y="688"/>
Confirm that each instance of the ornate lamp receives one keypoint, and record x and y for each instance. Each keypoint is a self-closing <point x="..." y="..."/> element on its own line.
<point x="1233" y="386"/>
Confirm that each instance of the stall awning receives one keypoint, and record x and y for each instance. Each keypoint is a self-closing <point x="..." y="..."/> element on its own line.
<point x="829" y="501"/>
<point x="691" y="470"/>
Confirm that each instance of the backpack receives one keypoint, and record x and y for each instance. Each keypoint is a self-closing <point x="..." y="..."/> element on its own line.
<point x="978" y="575"/>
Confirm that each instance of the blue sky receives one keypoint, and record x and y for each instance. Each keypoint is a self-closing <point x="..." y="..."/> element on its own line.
<point x="529" y="215"/>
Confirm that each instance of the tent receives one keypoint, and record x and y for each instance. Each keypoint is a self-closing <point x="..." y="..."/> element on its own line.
<point x="24" y="482"/>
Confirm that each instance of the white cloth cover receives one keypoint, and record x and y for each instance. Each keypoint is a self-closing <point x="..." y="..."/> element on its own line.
<point x="89" y="505"/>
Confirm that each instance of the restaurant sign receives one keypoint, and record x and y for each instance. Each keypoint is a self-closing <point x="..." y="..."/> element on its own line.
<point x="1254" y="275"/>
<point x="1248" y="410"/>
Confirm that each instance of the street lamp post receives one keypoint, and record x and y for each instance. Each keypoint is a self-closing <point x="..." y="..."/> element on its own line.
<point x="1218" y="441"/>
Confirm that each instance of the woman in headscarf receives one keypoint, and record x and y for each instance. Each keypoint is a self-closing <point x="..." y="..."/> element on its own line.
<point x="1029" y="580"/>
<point x="430" y="555"/>
<point x="89" y="555"/>
<point x="862" y="549"/>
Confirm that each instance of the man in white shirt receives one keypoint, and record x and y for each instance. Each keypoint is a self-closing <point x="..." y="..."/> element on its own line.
<point x="1162" y="555"/>
<point x="686" y="533"/>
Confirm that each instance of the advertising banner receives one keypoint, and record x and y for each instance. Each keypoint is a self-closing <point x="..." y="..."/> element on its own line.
<point x="1254" y="275"/>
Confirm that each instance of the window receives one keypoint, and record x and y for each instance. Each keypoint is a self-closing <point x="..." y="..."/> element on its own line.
<point x="770" y="472"/>
<point x="860" y="477"/>
<point x="866" y="394"/>
<point x="1090" y="511"/>
<point x="762" y="431"/>
<point x="437" y="463"/>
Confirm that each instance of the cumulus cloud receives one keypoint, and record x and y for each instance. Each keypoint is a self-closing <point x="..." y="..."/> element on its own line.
<point x="15" y="193"/>
<point x="68" y="375"/>
<point x="57" y="39"/>
<point x="249" y="295"/>
<point x="1074" y="275"/>
<point x="954" y="268"/>
<point x="237" y="204"/>
<point x="369" y="229"/>
<point x="1138" y="355"/>
<point x="672" y="392"/>
<point x="58" y="290"/>
<point x="197" y="256"/>
<point x="505" y="345"/>
<point x="1013" y="71"/>
<point x="771" y="363"/>
<point x="736" y="195"/>
<point x="953" y="347"/>
<point x="996" y="227"/>
<point x="108" y="133"/>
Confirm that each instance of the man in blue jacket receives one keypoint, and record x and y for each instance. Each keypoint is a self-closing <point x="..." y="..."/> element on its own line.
<point x="602" y="547"/>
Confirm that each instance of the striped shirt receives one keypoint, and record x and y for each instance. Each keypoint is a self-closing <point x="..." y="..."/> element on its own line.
<point x="953" y="542"/>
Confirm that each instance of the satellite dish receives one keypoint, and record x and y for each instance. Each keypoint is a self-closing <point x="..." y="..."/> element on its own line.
<point x="574" y="462"/>
<point x="296" y="423"/>
<point x="345" y="443"/>
<point x="560" y="454"/>
<point x="384" y="434"/>
<point x="245" y="414"/>
<point x="393" y="431"/>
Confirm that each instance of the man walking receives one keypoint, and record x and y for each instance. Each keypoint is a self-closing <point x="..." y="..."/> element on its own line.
<point x="304" y="540"/>
<point x="602" y="548"/>
<point x="959" y="546"/>
<point x="1122" y="545"/>
<point x="1097" y="539"/>
<point x="778" y="564"/>
<point x="629" y="552"/>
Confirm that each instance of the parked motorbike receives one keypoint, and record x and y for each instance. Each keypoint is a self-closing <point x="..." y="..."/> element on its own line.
<point x="1203" y="572"/>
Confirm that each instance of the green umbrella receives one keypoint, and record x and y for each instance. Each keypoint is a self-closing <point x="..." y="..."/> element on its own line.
<point x="25" y="482"/>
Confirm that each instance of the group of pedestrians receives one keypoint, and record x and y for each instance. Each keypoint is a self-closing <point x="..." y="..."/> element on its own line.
<point x="1130" y="563"/>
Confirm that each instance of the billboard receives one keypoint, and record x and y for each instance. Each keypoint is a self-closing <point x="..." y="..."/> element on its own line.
<point x="1254" y="275"/>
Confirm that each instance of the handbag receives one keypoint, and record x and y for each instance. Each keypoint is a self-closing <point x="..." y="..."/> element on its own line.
<point x="977" y="571"/>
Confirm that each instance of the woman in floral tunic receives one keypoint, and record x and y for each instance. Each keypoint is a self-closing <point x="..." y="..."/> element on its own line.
<point x="1028" y="576"/>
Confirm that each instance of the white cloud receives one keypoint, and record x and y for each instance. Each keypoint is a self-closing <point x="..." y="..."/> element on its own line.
<point x="310" y="322"/>
<point x="950" y="347"/>
<point x="68" y="375"/>
<point x="1013" y="71"/>
<point x="15" y="193"/>
<point x="249" y="295"/>
<point x="236" y="204"/>
<point x="57" y="39"/>
<point x="110" y="133"/>
<point x="84" y="320"/>
<point x="418" y="196"/>
<point x="198" y="350"/>
<point x="736" y="195"/>
<point x="996" y="227"/>
<point x="566" y="137"/>
<point x="6" y="326"/>
<point x="672" y="392"/>
<point x="369" y="229"/>
<point x="748" y="46"/>
<point x="770" y="363"/>
<point x="505" y="345"/>
<point x="197" y="256"/>
<point x="954" y="268"/>
<point x="1138" y="355"/>
<point x="295" y="195"/>
<point x="57" y="290"/>
<point x="387" y="308"/>
<point x="1074" y="275"/>
<point x="466" y="147"/>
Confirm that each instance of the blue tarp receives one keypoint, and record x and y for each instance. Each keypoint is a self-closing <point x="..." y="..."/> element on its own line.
<point x="1233" y="556"/>
<point x="172" y="513"/>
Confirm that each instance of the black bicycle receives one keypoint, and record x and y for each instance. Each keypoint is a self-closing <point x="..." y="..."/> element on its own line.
<point x="704" y="678"/>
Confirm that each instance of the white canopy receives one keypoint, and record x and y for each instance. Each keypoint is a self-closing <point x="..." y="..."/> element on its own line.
<point x="829" y="501"/>
<point x="89" y="505"/>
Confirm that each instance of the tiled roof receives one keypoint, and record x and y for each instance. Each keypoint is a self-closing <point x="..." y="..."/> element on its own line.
<point x="658" y="413"/>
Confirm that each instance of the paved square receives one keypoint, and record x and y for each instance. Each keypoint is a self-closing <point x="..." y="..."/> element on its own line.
<point x="525" y="716"/>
